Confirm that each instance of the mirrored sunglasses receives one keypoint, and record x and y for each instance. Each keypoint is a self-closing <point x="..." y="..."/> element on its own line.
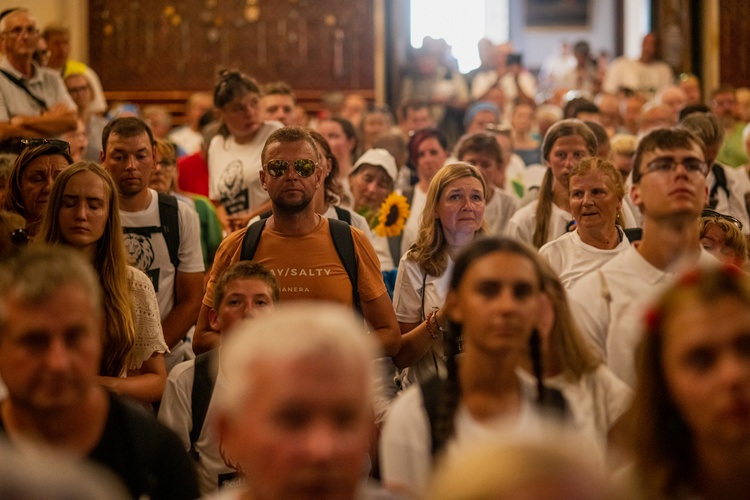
<point x="304" y="167"/>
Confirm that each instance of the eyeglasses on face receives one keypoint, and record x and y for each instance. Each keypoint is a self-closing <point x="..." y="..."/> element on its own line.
<point x="691" y="165"/>
<point x="707" y="212"/>
<point x="32" y="143"/>
<point x="303" y="166"/>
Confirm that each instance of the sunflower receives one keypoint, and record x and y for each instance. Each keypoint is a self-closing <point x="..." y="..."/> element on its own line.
<point x="392" y="217"/>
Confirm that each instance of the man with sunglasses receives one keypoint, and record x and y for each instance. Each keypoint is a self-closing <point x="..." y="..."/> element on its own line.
<point x="33" y="100"/>
<point x="669" y="186"/>
<point x="297" y="245"/>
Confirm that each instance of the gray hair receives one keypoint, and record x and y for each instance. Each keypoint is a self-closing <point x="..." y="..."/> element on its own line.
<point x="293" y="332"/>
<point x="38" y="271"/>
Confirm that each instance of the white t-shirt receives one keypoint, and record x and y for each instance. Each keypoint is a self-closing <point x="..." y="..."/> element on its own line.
<point x="499" y="210"/>
<point x="411" y="227"/>
<point x="406" y="446"/>
<point x="637" y="76"/>
<point x="175" y="413"/>
<point x="609" y="303"/>
<point x="521" y="225"/>
<point x="233" y="170"/>
<point x="151" y="255"/>
<point x="596" y="401"/>
<point x="407" y="302"/>
<point x="571" y="258"/>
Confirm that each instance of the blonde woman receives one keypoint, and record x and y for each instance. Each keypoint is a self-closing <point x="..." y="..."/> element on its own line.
<point x="452" y="217"/>
<point x="83" y="213"/>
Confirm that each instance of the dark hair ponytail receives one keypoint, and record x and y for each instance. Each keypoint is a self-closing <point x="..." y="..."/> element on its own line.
<point x="549" y="400"/>
<point x="450" y="394"/>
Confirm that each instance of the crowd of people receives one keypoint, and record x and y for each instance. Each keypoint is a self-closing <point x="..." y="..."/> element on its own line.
<point x="520" y="286"/>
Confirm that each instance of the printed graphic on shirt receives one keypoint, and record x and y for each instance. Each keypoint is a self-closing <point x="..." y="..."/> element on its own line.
<point x="142" y="256"/>
<point x="232" y="189"/>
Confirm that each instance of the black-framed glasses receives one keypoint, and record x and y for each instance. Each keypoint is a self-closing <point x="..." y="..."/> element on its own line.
<point x="707" y="212"/>
<point x="303" y="166"/>
<point x="34" y="142"/>
<point x="19" y="237"/>
<point x="691" y="165"/>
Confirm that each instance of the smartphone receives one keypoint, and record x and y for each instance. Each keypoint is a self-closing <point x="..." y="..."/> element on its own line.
<point x="513" y="59"/>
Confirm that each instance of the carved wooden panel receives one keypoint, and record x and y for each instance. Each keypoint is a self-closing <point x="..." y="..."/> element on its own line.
<point x="734" y="49"/>
<point x="141" y="45"/>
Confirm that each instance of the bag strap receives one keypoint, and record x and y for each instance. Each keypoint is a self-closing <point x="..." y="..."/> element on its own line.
<point x="431" y="390"/>
<point x="20" y="84"/>
<point x="721" y="182"/>
<point x="341" y="234"/>
<point x="251" y="239"/>
<point x="343" y="215"/>
<point x="204" y="379"/>
<point x="170" y="224"/>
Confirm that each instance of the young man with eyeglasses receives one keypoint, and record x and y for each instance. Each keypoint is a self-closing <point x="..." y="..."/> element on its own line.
<point x="298" y="245"/>
<point x="669" y="186"/>
<point x="33" y="100"/>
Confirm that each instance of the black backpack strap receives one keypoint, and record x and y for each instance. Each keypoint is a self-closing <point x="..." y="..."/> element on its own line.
<point x="266" y="215"/>
<point x="20" y="84"/>
<point x="170" y="226"/>
<point x="341" y="234"/>
<point x="431" y="390"/>
<point x="343" y="215"/>
<point x="204" y="379"/>
<point x="251" y="239"/>
<point x="721" y="183"/>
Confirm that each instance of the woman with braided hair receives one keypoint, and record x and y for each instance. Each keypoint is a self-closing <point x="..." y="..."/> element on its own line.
<point x="494" y="308"/>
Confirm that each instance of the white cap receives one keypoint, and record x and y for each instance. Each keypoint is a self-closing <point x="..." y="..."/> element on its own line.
<point x="380" y="158"/>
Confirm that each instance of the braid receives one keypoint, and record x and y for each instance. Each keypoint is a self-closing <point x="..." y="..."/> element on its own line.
<point x="543" y="210"/>
<point x="548" y="399"/>
<point x="451" y="389"/>
<point x="535" y="351"/>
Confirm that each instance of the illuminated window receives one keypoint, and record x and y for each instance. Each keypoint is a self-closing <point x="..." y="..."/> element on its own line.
<point x="462" y="24"/>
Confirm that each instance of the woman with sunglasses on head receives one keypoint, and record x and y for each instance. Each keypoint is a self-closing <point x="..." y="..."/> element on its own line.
<point x="83" y="213"/>
<point x="690" y="421"/>
<point x="567" y="142"/>
<point x="428" y="152"/>
<point x="721" y="236"/>
<point x="726" y="186"/>
<point x="31" y="179"/>
<point x="234" y="153"/>
<point x="492" y="311"/>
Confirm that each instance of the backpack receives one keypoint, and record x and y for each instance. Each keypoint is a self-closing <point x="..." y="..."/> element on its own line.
<point x="721" y="182"/>
<point x="204" y="380"/>
<point x="341" y="235"/>
<point x="170" y="227"/>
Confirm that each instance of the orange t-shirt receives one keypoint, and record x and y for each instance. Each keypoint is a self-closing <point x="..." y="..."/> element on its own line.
<point x="306" y="267"/>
